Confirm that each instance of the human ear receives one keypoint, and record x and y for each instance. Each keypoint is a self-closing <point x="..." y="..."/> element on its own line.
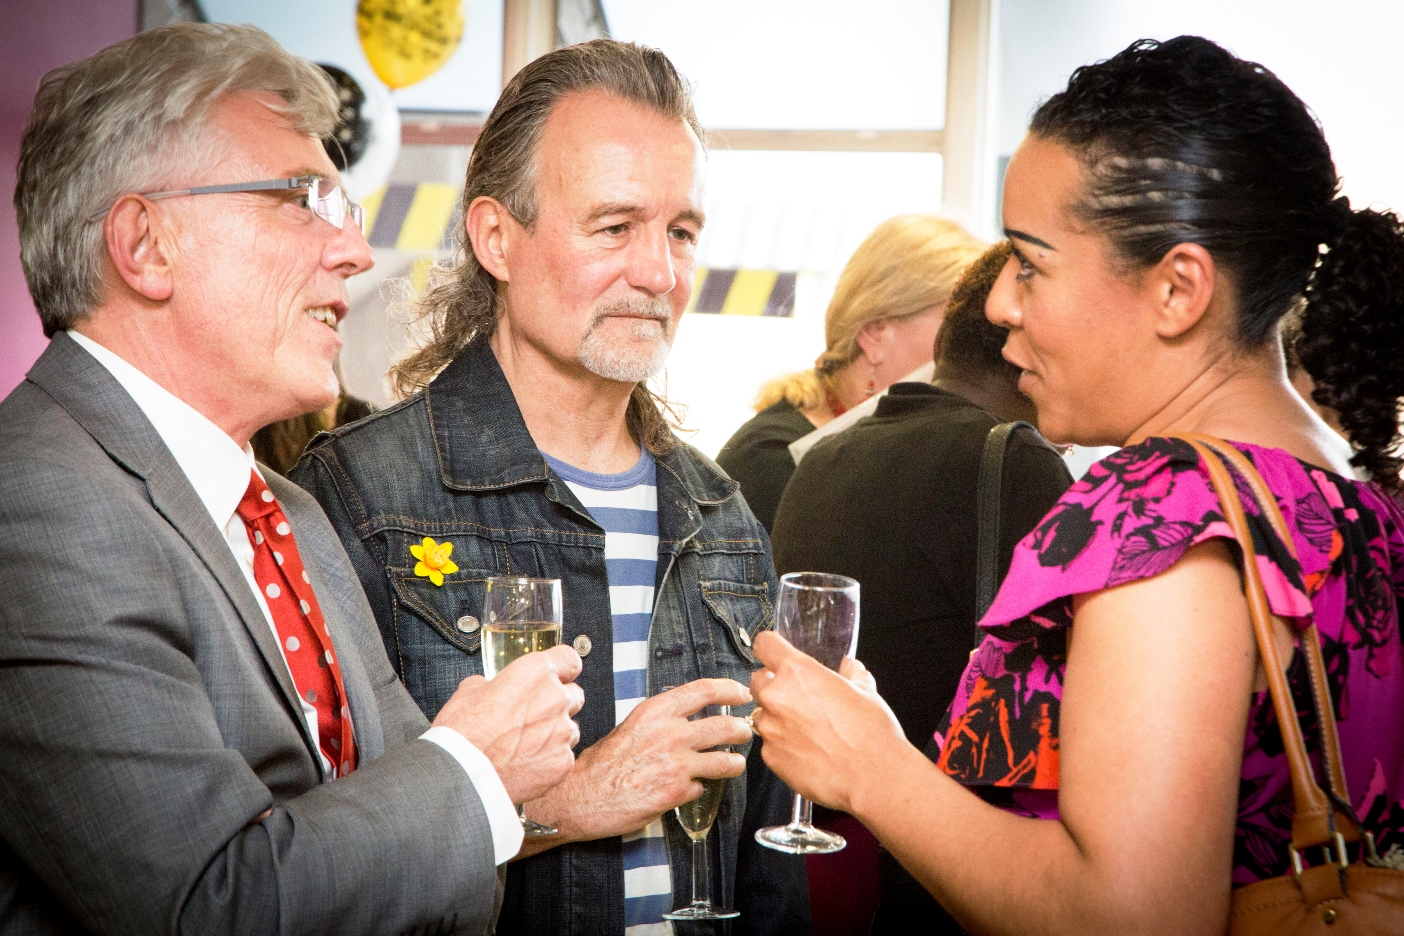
<point x="490" y="228"/>
<point x="873" y="338"/>
<point x="138" y="246"/>
<point x="1183" y="285"/>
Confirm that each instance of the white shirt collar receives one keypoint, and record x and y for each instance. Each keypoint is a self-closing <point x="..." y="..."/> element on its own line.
<point x="216" y="467"/>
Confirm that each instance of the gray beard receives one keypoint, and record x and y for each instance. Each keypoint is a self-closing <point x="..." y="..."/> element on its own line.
<point x="629" y="362"/>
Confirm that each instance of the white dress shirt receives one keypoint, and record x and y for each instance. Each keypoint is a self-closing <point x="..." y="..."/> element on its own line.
<point x="218" y="470"/>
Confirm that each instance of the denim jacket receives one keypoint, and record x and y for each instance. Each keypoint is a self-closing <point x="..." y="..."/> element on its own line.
<point x="456" y="463"/>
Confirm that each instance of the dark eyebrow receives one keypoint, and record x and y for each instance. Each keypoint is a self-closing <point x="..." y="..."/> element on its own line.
<point x="1020" y="235"/>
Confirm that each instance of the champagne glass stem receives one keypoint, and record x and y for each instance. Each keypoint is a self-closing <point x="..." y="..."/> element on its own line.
<point x="803" y="812"/>
<point x="701" y="886"/>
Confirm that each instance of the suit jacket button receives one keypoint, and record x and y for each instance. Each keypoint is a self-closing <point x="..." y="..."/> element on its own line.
<point x="468" y="624"/>
<point x="582" y="645"/>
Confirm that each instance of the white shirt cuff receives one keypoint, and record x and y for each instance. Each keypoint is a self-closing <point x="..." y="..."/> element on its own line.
<point x="502" y="814"/>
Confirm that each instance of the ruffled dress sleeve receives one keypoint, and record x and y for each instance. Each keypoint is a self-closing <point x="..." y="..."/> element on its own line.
<point x="1132" y="516"/>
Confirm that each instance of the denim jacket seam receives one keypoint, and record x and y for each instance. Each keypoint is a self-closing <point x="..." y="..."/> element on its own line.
<point x="381" y="523"/>
<point x="341" y="481"/>
<point x="701" y="501"/>
<point x="442" y="463"/>
<point x="395" y="624"/>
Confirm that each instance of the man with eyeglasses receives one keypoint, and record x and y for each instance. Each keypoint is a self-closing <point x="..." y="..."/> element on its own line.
<point x="199" y="730"/>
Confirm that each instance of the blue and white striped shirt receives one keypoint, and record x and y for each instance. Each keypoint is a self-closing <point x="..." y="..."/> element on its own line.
<point x="626" y="505"/>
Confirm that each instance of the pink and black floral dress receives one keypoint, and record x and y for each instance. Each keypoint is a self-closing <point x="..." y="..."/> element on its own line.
<point x="1132" y="516"/>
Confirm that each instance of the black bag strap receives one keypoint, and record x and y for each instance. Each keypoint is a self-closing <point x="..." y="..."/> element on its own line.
<point x="988" y="488"/>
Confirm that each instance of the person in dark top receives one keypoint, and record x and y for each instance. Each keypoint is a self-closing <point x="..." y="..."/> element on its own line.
<point x="758" y="456"/>
<point x="891" y="502"/>
<point x="887" y="308"/>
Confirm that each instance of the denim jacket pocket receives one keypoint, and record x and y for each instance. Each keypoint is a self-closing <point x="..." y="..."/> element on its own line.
<point x="454" y="609"/>
<point x="743" y="610"/>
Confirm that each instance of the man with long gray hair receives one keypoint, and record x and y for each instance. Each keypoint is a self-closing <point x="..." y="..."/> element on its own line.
<point x="534" y="447"/>
<point x="199" y="731"/>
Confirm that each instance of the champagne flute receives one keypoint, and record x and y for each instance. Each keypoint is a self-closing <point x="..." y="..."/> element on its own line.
<point x="818" y="613"/>
<point x="696" y="818"/>
<point x="520" y="616"/>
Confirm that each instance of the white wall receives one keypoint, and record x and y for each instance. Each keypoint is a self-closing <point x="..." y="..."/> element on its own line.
<point x="1341" y="58"/>
<point x="801" y="64"/>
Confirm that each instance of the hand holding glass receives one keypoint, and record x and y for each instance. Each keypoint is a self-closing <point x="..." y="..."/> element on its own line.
<point x="818" y="613"/>
<point x="520" y="616"/>
<point x="696" y="818"/>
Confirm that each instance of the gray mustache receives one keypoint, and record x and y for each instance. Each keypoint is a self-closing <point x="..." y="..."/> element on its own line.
<point x="642" y="308"/>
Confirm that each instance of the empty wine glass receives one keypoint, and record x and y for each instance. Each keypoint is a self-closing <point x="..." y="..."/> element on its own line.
<point x="696" y="818"/>
<point x="818" y="613"/>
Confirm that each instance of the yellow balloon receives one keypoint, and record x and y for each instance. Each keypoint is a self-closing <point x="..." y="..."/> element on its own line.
<point x="408" y="40"/>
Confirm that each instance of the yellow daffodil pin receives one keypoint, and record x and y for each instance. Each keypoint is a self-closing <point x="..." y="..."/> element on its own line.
<point x="434" y="562"/>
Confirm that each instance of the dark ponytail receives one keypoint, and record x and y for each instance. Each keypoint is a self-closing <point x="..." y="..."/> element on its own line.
<point x="1352" y="338"/>
<point x="1185" y="143"/>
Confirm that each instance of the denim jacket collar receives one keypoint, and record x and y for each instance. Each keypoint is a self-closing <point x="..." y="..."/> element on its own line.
<point x="480" y="438"/>
<point x="482" y="442"/>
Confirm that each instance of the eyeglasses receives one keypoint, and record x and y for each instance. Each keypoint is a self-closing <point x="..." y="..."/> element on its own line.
<point x="326" y="198"/>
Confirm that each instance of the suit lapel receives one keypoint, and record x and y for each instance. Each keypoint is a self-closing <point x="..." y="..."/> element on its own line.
<point x="97" y="402"/>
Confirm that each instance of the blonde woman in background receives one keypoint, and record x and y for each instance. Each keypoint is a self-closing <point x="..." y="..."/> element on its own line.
<point x="880" y="327"/>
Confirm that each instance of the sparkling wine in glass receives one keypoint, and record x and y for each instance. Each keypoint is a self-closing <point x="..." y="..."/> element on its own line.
<point x="696" y="818"/>
<point x="520" y="616"/>
<point x="818" y="613"/>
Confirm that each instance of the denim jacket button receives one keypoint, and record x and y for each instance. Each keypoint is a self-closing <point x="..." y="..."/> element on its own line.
<point x="467" y="624"/>
<point x="582" y="645"/>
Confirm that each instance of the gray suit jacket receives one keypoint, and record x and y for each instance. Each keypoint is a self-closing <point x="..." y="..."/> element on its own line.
<point x="147" y="719"/>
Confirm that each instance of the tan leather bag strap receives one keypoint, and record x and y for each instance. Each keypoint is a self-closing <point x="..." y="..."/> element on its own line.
<point x="1314" y="821"/>
<point x="1310" y="639"/>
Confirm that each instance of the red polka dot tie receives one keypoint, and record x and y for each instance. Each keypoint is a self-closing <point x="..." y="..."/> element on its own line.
<point x="307" y="644"/>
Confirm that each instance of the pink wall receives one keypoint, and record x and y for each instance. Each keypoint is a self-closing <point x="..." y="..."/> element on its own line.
<point x="40" y="35"/>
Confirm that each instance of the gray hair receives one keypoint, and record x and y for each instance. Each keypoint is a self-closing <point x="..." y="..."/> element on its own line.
<point x="122" y="121"/>
<point x="461" y="300"/>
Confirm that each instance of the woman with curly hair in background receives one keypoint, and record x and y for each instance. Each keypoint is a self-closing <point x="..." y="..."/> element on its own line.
<point x="1166" y="210"/>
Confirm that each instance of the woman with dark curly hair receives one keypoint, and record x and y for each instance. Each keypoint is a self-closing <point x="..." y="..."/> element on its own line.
<point x="1166" y="210"/>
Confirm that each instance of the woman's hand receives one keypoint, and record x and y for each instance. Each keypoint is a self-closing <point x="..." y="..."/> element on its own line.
<point x="821" y="730"/>
<point x="855" y="672"/>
